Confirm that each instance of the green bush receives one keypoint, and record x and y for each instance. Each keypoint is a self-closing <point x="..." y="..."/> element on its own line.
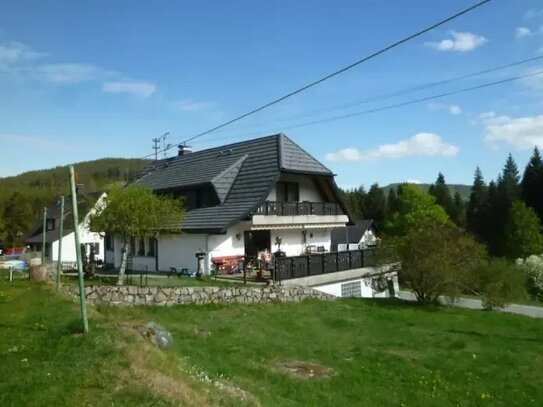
<point x="498" y="283"/>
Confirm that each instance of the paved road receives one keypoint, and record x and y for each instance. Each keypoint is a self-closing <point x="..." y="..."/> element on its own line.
<point x="530" y="311"/>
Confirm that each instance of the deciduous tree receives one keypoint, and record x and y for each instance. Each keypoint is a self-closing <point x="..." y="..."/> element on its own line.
<point x="136" y="211"/>
<point x="523" y="234"/>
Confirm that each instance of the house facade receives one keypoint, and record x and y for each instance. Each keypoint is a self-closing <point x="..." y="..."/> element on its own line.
<point x="241" y="199"/>
<point x="86" y="205"/>
<point x="359" y="236"/>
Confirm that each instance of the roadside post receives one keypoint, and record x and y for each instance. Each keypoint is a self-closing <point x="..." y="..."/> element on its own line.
<point x="59" y="260"/>
<point x="43" y="240"/>
<point x="82" y="299"/>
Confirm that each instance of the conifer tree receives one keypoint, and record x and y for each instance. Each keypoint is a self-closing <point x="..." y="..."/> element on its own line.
<point x="532" y="184"/>
<point x="440" y="190"/>
<point x="375" y="204"/>
<point x="478" y="209"/>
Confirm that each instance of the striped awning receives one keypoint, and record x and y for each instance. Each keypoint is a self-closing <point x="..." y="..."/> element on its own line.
<point x="298" y="227"/>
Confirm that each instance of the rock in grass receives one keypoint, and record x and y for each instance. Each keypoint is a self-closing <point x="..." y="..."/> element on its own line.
<point x="156" y="334"/>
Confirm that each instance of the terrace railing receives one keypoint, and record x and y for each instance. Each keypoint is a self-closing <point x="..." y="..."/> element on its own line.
<point x="299" y="208"/>
<point x="286" y="268"/>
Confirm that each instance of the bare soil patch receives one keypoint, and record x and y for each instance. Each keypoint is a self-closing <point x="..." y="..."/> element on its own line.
<point x="306" y="370"/>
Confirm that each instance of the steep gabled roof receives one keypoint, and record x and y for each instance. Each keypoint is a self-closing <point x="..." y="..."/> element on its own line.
<point x="351" y="234"/>
<point x="241" y="173"/>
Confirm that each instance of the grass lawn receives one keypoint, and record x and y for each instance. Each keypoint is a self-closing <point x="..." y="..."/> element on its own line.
<point x="342" y="353"/>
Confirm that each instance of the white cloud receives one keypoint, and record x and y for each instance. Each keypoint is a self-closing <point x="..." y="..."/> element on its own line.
<point x="421" y="144"/>
<point x="460" y="42"/>
<point x="455" y="109"/>
<point x="452" y="109"/>
<point x="16" y="52"/>
<point x="522" y="132"/>
<point x="190" y="105"/>
<point x="139" y="89"/>
<point x="521" y="32"/>
<point x="69" y="73"/>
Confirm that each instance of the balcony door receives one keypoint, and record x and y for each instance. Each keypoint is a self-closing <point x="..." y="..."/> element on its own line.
<point x="288" y="192"/>
<point x="257" y="241"/>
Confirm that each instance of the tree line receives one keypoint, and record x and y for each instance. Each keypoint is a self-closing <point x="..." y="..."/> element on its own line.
<point x="23" y="197"/>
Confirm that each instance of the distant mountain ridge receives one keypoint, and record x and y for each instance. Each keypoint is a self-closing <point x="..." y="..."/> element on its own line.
<point x="463" y="190"/>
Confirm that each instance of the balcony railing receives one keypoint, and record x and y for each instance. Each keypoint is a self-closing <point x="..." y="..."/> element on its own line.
<point x="299" y="208"/>
<point x="286" y="268"/>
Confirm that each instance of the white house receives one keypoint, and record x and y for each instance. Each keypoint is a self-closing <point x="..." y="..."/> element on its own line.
<point x="359" y="236"/>
<point x="86" y="205"/>
<point x="239" y="199"/>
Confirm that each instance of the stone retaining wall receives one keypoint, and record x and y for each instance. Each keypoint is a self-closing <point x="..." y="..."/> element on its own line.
<point x="133" y="295"/>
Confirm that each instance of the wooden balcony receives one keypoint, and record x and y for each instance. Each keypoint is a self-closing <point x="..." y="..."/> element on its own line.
<point x="286" y="268"/>
<point x="274" y="208"/>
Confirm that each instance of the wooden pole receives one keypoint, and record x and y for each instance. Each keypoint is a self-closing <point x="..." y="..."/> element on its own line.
<point x="59" y="259"/>
<point x="82" y="299"/>
<point x="44" y="240"/>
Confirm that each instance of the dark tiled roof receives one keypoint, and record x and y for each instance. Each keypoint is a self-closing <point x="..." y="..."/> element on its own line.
<point x="50" y="236"/>
<point x="351" y="234"/>
<point x="242" y="174"/>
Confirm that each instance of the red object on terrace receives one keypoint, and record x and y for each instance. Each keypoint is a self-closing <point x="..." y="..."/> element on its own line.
<point x="227" y="264"/>
<point x="15" y="250"/>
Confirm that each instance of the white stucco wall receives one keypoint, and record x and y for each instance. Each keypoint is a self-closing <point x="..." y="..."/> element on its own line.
<point x="179" y="251"/>
<point x="292" y="240"/>
<point x="228" y="244"/>
<point x="307" y="187"/>
<point x="365" y="288"/>
<point x="68" y="249"/>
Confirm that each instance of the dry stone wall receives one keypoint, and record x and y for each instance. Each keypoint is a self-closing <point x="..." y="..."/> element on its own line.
<point x="165" y="296"/>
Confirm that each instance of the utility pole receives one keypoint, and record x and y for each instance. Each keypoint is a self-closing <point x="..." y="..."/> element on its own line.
<point x="156" y="147"/>
<point x="43" y="240"/>
<point x="163" y="137"/>
<point x="82" y="299"/>
<point x="59" y="259"/>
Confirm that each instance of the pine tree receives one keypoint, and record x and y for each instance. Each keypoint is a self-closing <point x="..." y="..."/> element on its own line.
<point x="478" y="208"/>
<point x="393" y="203"/>
<point x="510" y="180"/>
<point x="375" y="204"/>
<point x="532" y="184"/>
<point x="18" y="219"/>
<point x="442" y="193"/>
<point x="491" y="228"/>
<point x="459" y="210"/>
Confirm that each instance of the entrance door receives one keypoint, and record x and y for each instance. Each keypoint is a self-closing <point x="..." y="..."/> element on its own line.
<point x="257" y="241"/>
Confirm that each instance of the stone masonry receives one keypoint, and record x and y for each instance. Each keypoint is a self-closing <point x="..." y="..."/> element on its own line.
<point x="166" y="296"/>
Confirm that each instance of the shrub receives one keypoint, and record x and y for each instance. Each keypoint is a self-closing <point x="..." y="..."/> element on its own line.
<point x="437" y="260"/>
<point x="498" y="283"/>
<point x="533" y="269"/>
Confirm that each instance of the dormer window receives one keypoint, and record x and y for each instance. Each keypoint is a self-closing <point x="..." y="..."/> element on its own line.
<point x="288" y="192"/>
<point x="50" y="224"/>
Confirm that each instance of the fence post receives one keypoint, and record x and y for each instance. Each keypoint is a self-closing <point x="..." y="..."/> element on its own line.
<point x="308" y="264"/>
<point x="292" y="265"/>
<point x="350" y="260"/>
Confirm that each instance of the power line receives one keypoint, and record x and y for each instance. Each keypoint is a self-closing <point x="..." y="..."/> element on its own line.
<point x="344" y="69"/>
<point x="396" y="105"/>
<point x="400" y="92"/>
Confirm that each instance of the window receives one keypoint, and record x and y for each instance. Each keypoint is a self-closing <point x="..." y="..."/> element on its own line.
<point x="352" y="289"/>
<point x="109" y="241"/>
<point x="141" y="247"/>
<point x="96" y="248"/>
<point x="288" y="192"/>
<point x="132" y="246"/>
<point x="50" y="224"/>
<point x="151" y="251"/>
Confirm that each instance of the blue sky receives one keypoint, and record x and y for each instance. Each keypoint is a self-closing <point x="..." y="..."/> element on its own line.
<point x="85" y="80"/>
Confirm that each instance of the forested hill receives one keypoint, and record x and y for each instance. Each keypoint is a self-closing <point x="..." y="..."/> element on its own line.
<point x="35" y="189"/>
<point x="463" y="190"/>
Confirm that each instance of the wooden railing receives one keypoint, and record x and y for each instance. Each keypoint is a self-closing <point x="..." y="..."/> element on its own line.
<point x="299" y="208"/>
<point x="286" y="268"/>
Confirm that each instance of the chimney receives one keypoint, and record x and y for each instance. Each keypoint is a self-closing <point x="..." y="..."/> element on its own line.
<point x="183" y="149"/>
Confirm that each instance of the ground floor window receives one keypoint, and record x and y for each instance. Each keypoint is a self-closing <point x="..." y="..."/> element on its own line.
<point x="141" y="247"/>
<point x="109" y="242"/>
<point x="351" y="289"/>
<point x="151" y="251"/>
